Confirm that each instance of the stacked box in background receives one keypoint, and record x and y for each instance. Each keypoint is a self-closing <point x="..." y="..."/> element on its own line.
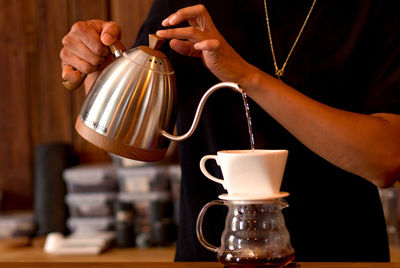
<point x="98" y="195"/>
<point x="152" y="191"/>
<point x="91" y="193"/>
<point x="16" y="225"/>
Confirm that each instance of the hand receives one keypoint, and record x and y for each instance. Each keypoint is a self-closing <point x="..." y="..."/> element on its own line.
<point x="85" y="48"/>
<point x="202" y="39"/>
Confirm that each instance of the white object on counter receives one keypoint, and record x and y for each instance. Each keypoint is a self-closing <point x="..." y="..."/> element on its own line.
<point x="78" y="243"/>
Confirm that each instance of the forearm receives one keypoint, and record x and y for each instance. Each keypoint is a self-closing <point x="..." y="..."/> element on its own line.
<point x="366" y="145"/>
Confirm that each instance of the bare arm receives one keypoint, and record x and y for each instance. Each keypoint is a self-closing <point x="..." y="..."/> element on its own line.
<point x="366" y="145"/>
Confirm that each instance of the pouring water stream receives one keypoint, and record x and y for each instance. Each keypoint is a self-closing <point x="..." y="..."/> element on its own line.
<point x="247" y="110"/>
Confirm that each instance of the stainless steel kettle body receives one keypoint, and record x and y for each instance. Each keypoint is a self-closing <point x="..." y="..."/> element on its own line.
<point x="130" y="108"/>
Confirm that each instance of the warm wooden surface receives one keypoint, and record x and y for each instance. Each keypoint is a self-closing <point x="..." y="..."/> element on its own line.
<point x="133" y="257"/>
<point x="193" y="265"/>
<point x="36" y="254"/>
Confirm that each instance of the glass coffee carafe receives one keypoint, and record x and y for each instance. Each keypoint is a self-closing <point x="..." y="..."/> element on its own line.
<point x="255" y="234"/>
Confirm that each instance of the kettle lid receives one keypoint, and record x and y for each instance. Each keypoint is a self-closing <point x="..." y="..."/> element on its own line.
<point x="151" y="57"/>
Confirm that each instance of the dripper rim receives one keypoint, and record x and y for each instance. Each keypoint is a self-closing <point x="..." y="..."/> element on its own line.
<point x="252" y="198"/>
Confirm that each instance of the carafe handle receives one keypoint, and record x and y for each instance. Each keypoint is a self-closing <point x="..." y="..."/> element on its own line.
<point x="205" y="171"/>
<point x="200" y="107"/>
<point x="199" y="224"/>
<point x="116" y="49"/>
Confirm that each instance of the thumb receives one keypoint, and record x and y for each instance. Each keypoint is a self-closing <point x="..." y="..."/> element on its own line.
<point x="210" y="48"/>
<point x="210" y="45"/>
<point x="109" y="31"/>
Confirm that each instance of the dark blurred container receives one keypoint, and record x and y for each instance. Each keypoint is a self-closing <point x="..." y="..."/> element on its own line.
<point x="124" y="224"/>
<point x="50" y="211"/>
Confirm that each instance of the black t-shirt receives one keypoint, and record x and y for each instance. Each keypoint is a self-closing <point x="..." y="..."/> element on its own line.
<point x="348" y="57"/>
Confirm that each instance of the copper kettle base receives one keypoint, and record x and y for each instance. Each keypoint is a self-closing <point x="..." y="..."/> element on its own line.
<point x="116" y="147"/>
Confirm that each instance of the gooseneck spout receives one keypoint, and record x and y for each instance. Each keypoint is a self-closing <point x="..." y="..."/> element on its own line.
<point x="200" y="107"/>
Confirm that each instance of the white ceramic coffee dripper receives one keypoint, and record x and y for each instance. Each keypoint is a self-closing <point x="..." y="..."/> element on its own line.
<point x="249" y="174"/>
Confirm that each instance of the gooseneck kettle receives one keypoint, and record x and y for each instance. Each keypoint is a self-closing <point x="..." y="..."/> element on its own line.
<point x="131" y="107"/>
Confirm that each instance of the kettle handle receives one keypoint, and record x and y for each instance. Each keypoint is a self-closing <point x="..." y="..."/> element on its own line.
<point x="200" y="107"/>
<point x="199" y="225"/>
<point x="116" y="49"/>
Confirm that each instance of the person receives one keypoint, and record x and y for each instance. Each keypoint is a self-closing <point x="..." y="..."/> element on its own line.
<point x="335" y="107"/>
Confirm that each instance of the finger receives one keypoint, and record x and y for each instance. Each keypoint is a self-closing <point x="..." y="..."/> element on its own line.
<point x="96" y="35"/>
<point x="76" y="62"/>
<point x="71" y="74"/>
<point x="210" y="45"/>
<point x="82" y="32"/>
<point x="185" y="48"/>
<point x="191" y="13"/>
<point x="75" y="78"/>
<point x="188" y="33"/>
<point x="110" y="33"/>
<point x="73" y="45"/>
<point x="210" y="48"/>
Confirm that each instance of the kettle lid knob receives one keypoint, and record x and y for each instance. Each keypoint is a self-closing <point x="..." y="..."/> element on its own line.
<point x="155" y="41"/>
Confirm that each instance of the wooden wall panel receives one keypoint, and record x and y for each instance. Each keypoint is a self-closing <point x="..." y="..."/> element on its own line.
<point x="49" y="101"/>
<point x="15" y="145"/>
<point x="34" y="107"/>
<point x="129" y="14"/>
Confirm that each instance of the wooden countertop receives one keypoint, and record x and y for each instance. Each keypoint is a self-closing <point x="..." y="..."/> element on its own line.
<point x="187" y="265"/>
<point x="160" y="257"/>
<point x="32" y="254"/>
